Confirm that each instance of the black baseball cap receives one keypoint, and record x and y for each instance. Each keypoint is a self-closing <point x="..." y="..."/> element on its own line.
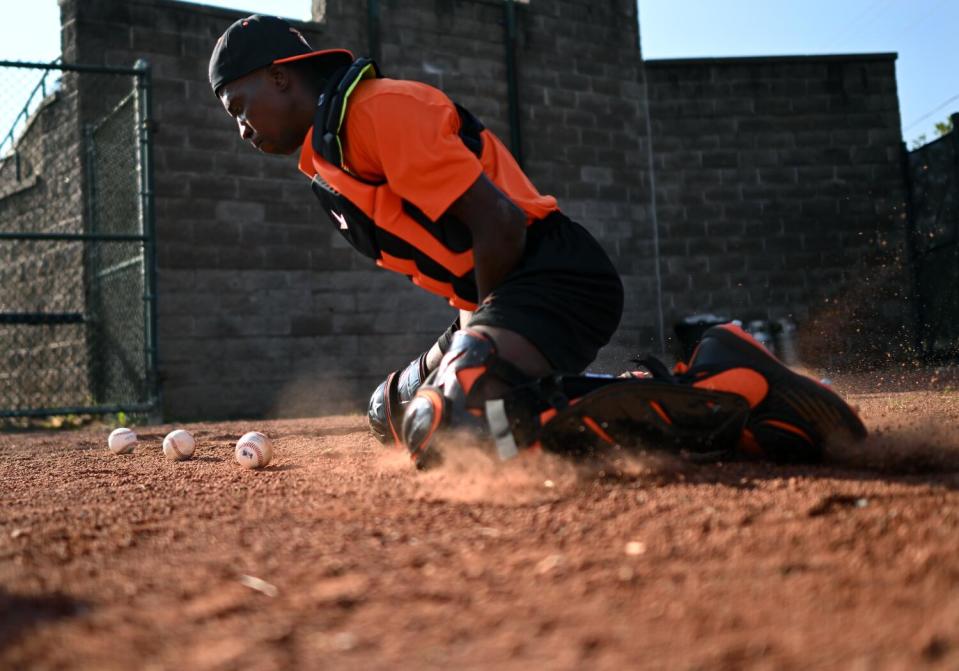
<point x="257" y="41"/>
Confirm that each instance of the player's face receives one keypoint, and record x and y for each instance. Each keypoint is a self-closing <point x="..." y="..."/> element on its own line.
<point x="261" y="106"/>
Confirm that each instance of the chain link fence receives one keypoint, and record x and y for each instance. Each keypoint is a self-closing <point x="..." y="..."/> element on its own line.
<point x="932" y="173"/>
<point x="77" y="269"/>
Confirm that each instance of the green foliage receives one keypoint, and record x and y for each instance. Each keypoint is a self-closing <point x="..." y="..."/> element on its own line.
<point x="57" y="422"/>
<point x="942" y="128"/>
<point x="71" y="421"/>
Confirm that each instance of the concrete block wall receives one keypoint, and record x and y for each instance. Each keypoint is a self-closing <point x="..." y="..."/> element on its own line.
<point x="780" y="193"/>
<point x="265" y="310"/>
<point x="580" y="109"/>
<point x="584" y="141"/>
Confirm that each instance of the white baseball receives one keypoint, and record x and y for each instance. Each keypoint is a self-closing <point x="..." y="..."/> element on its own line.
<point x="253" y="450"/>
<point x="178" y="445"/>
<point x="122" y="441"/>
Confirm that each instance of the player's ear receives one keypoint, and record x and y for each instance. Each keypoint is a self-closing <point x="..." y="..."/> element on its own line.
<point x="280" y="77"/>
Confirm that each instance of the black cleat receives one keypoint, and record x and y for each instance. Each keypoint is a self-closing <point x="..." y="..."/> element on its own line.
<point x="791" y="416"/>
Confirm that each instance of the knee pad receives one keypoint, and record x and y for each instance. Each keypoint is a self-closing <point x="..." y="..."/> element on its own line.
<point x="388" y="403"/>
<point x="453" y="396"/>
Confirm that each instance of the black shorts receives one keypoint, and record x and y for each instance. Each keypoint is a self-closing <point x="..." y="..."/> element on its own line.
<point x="565" y="296"/>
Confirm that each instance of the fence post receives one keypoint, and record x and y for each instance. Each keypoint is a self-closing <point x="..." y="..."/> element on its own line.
<point x="91" y="308"/>
<point x="148" y="223"/>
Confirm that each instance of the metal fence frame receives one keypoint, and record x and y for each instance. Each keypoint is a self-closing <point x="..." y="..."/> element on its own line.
<point x="145" y="124"/>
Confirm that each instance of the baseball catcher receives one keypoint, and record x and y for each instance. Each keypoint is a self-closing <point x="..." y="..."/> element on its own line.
<point x="417" y="183"/>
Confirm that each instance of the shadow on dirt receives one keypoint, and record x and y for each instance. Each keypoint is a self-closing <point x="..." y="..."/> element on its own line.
<point x="18" y="613"/>
<point x="663" y="469"/>
<point x="232" y="437"/>
<point x="284" y="467"/>
<point x="470" y="474"/>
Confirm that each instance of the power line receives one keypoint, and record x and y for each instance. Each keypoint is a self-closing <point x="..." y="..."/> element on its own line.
<point x="931" y="112"/>
<point x="925" y="16"/>
<point x="879" y="6"/>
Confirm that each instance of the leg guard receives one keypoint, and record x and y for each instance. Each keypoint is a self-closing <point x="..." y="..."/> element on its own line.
<point x="453" y="396"/>
<point x="389" y="401"/>
<point x="577" y="416"/>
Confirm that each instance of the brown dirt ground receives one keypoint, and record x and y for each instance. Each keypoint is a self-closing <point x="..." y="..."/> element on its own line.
<point x="117" y="562"/>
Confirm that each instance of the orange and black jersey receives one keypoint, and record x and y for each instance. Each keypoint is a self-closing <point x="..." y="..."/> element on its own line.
<point x="404" y="161"/>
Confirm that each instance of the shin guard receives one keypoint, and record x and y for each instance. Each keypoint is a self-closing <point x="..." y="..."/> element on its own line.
<point x="389" y="401"/>
<point x="454" y="394"/>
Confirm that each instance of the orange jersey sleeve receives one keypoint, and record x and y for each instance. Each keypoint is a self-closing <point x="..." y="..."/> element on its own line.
<point x="407" y="134"/>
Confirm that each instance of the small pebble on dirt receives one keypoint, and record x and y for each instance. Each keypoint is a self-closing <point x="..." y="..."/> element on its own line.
<point x="548" y="563"/>
<point x="635" y="548"/>
<point x="259" y="585"/>
<point x="344" y="641"/>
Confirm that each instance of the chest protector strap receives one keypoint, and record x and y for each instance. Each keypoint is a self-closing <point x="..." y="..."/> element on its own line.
<point x="331" y="109"/>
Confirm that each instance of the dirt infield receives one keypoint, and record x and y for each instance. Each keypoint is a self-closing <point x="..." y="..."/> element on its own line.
<point x="340" y="556"/>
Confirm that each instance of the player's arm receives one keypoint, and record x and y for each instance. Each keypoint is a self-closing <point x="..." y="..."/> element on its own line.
<point x="498" y="228"/>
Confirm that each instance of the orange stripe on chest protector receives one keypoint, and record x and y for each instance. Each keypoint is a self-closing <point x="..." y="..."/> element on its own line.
<point x="397" y="264"/>
<point x="409" y="268"/>
<point x="381" y="200"/>
<point x="742" y="381"/>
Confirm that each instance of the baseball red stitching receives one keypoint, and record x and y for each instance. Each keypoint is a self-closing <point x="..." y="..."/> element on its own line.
<point x="255" y="448"/>
<point x="175" y="448"/>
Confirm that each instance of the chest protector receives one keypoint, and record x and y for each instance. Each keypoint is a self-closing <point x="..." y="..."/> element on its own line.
<point x="435" y="255"/>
